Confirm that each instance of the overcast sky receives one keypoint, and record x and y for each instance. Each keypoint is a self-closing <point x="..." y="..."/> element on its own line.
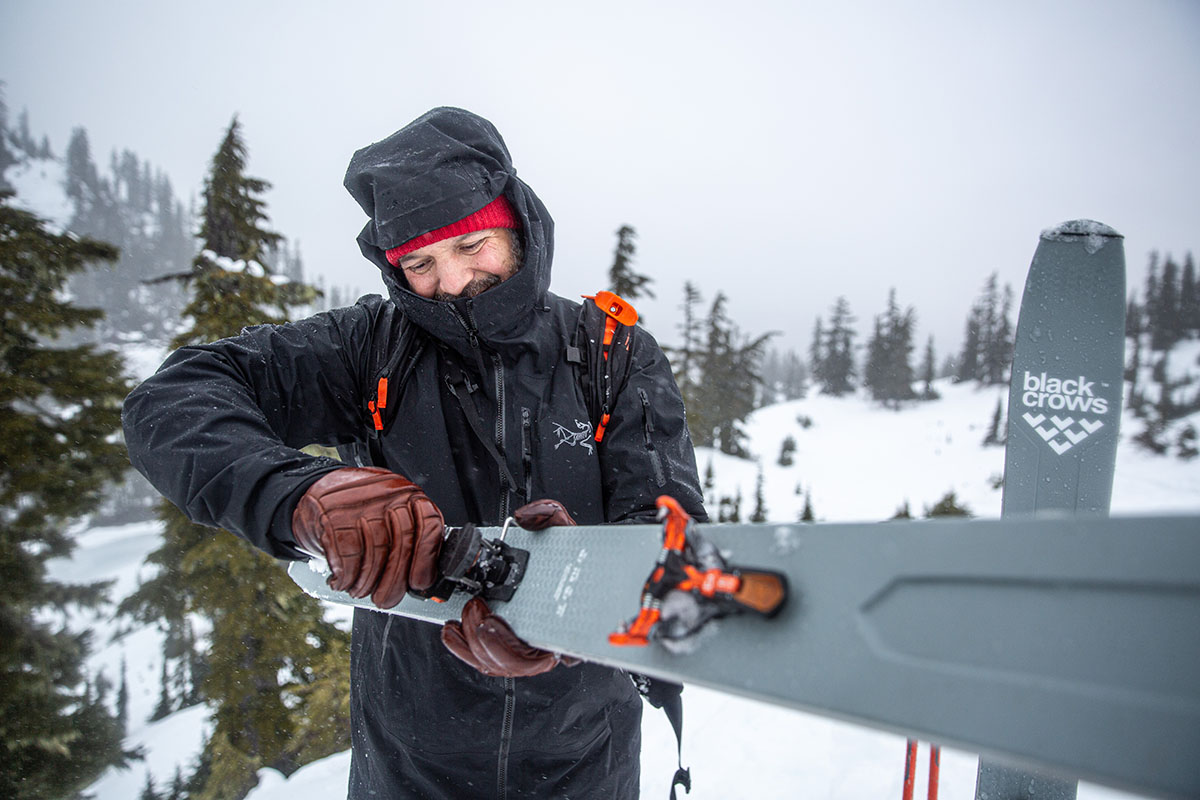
<point x="782" y="152"/>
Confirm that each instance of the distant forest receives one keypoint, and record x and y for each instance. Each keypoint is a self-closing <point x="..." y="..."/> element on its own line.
<point x="273" y="670"/>
<point x="724" y="373"/>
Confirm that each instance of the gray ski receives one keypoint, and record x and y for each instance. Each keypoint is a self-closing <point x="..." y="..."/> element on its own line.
<point x="1068" y="644"/>
<point x="1065" y="642"/>
<point x="1064" y="411"/>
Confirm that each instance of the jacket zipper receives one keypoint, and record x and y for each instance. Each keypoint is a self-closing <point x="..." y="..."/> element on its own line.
<point x="510" y="702"/>
<point x="498" y="367"/>
<point x="510" y="699"/>
<point x="527" y="451"/>
<point x="647" y="430"/>
<point x="468" y="323"/>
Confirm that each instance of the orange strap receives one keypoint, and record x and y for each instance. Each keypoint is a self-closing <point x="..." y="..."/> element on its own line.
<point x="379" y="403"/>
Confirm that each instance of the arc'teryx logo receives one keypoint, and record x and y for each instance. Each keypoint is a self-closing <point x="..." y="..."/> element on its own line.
<point x="580" y="438"/>
<point x="1077" y="395"/>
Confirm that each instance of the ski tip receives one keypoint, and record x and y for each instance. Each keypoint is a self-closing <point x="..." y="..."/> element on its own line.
<point x="1080" y="228"/>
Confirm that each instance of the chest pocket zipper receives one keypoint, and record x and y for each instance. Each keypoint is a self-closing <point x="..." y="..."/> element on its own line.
<point x="647" y="429"/>
<point x="527" y="450"/>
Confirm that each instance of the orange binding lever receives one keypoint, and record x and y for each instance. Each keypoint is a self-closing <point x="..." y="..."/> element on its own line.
<point x="691" y="566"/>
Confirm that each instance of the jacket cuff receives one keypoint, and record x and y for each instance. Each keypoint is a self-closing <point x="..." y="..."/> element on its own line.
<point x="283" y="542"/>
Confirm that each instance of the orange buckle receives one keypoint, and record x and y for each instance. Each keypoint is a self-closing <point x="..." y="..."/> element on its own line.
<point x="615" y="307"/>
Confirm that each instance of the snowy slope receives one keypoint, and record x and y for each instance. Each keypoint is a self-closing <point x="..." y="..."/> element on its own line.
<point x="859" y="461"/>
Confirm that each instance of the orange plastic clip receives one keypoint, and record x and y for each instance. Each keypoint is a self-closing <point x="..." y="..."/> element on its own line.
<point x="615" y="307"/>
<point x="599" y="436"/>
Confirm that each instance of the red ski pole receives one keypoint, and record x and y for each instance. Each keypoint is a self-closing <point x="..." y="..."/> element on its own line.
<point x="935" y="769"/>
<point x="910" y="768"/>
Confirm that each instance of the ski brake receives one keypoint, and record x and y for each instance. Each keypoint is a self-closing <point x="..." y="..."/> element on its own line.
<point x="691" y="584"/>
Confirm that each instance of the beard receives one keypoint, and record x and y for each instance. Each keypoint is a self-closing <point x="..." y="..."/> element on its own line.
<point x="475" y="287"/>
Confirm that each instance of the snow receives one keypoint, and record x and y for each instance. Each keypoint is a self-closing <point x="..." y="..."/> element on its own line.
<point x="39" y="186"/>
<point x="858" y="460"/>
<point x="1080" y="227"/>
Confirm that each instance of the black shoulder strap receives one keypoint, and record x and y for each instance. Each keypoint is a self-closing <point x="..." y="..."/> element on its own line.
<point x="602" y="350"/>
<point x="395" y="347"/>
<point x="390" y="367"/>
<point x="673" y="708"/>
<point x="668" y="696"/>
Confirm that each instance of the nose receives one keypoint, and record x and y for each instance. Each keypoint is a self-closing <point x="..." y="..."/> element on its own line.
<point x="454" y="274"/>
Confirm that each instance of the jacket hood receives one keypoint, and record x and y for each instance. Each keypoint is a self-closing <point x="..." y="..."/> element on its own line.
<point x="439" y="168"/>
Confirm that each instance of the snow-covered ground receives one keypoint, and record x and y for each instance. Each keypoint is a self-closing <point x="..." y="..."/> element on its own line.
<point x="859" y="461"/>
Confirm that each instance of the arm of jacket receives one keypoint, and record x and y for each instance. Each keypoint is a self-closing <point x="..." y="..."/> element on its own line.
<point x="647" y="449"/>
<point x="217" y="429"/>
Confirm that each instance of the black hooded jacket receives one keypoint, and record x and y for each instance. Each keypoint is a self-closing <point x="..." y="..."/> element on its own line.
<point x="488" y="415"/>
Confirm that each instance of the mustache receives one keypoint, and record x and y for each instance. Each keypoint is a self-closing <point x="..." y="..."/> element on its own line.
<point x="472" y="289"/>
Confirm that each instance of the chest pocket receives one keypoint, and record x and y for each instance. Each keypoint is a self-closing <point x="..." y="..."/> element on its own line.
<point x="559" y="453"/>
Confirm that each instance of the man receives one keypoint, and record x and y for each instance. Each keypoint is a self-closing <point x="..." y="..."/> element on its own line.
<point x="469" y="435"/>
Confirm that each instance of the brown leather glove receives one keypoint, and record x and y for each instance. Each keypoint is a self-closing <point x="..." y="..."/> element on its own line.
<point x="542" y="514"/>
<point x="484" y="640"/>
<point x="378" y="531"/>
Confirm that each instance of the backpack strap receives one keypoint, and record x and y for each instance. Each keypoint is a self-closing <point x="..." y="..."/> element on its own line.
<point x="668" y="696"/>
<point x="392" y="359"/>
<point x="605" y="330"/>
<point x="390" y="369"/>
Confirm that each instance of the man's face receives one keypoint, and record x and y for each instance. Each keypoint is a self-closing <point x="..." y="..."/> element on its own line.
<point x="462" y="266"/>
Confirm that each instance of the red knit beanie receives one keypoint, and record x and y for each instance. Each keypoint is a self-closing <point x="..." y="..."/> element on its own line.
<point x="496" y="214"/>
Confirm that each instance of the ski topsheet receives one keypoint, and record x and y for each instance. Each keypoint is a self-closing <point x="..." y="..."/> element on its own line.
<point x="1064" y="409"/>
<point x="1066" y="644"/>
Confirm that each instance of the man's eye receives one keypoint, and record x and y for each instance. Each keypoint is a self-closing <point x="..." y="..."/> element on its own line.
<point x="472" y="247"/>
<point x="419" y="268"/>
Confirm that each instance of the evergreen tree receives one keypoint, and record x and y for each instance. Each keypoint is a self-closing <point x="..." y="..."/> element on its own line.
<point x="1189" y="299"/>
<point x="123" y="698"/>
<point x="794" y="382"/>
<point x="888" y="372"/>
<point x="1165" y="327"/>
<point x="730" y="370"/>
<point x="968" y="360"/>
<point x="276" y="671"/>
<point x="785" y="377"/>
<point x="7" y="156"/>
<point x="988" y="344"/>
<point x="148" y="791"/>
<point x="807" y="514"/>
<point x="138" y="211"/>
<point x="816" y="353"/>
<point x="622" y="280"/>
<point x="1134" y="329"/>
<point x="834" y="369"/>
<point x="686" y="357"/>
<point x="994" y="436"/>
<point x="787" y="452"/>
<point x="760" y="501"/>
<point x="59" y="416"/>
<point x="948" y="506"/>
<point x="997" y="360"/>
<point x="929" y="372"/>
<point x="1150" y="304"/>
<point x="178" y="786"/>
<point x="165" y="705"/>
